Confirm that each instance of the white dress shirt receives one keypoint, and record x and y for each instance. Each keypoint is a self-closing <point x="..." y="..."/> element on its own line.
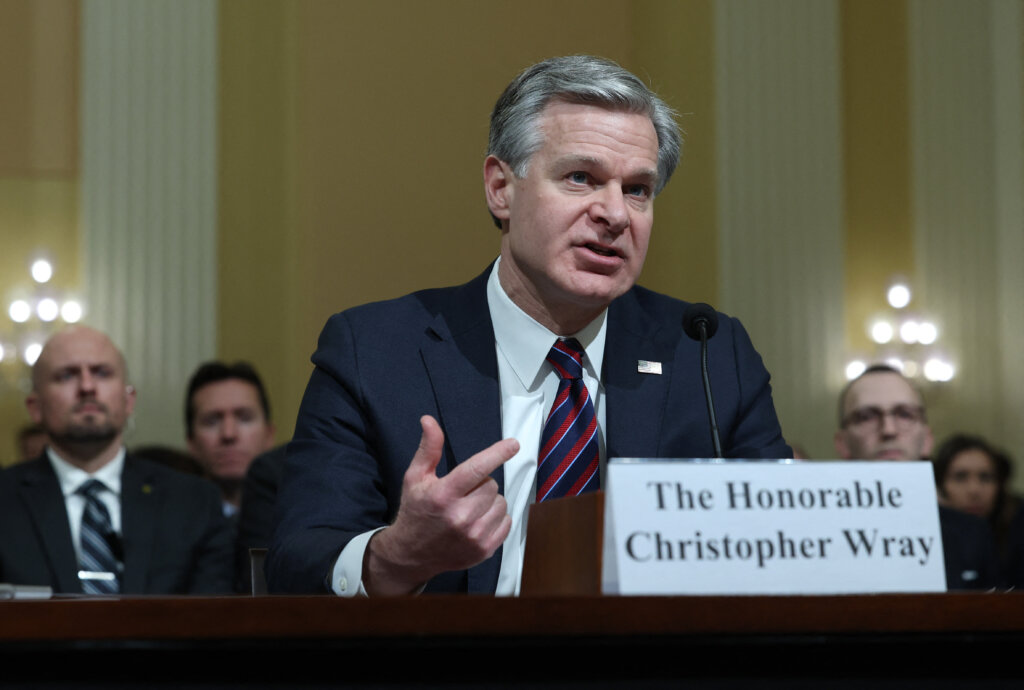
<point x="71" y="479"/>
<point x="528" y="385"/>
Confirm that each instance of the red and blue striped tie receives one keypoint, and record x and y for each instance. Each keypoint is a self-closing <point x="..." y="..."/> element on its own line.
<point x="567" y="464"/>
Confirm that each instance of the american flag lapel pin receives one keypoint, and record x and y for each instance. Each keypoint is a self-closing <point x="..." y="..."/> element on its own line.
<point x="645" y="367"/>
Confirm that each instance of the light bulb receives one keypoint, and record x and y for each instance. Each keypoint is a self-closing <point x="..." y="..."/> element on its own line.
<point x="881" y="332"/>
<point x="855" y="369"/>
<point x="20" y="311"/>
<point x="42" y="271"/>
<point x="909" y="332"/>
<point x="47" y="309"/>
<point x="899" y="296"/>
<point x="71" y="311"/>
<point x="31" y="353"/>
<point x="936" y="369"/>
<point x="927" y="333"/>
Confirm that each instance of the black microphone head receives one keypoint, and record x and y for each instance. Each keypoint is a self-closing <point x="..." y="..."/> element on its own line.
<point x="696" y="314"/>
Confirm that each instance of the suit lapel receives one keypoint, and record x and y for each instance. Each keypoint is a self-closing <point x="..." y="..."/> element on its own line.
<point x="459" y="355"/>
<point x="139" y="514"/>
<point x="42" y="494"/>
<point x="635" y="401"/>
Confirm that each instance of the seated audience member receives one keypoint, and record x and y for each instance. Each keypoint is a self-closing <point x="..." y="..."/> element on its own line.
<point x="88" y="517"/>
<point x="882" y="417"/>
<point x="424" y="434"/>
<point x="227" y="421"/>
<point x="32" y="442"/>
<point x="972" y="477"/>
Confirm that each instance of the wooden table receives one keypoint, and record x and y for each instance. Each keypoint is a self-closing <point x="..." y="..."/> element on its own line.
<point x="935" y="640"/>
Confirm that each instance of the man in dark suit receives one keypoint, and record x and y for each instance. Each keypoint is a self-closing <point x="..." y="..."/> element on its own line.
<point x="423" y="429"/>
<point x="883" y="417"/>
<point x="87" y="517"/>
<point x="227" y="422"/>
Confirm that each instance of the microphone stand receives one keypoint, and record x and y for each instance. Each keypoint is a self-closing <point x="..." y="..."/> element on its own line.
<point x="702" y="324"/>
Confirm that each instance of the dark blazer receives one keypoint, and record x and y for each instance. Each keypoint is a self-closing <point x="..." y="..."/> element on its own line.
<point x="969" y="551"/>
<point x="1013" y="569"/>
<point x="256" y="515"/>
<point x="175" y="537"/>
<point x="381" y="366"/>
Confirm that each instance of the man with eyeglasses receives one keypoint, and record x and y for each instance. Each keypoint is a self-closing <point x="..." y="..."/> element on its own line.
<point x="883" y="417"/>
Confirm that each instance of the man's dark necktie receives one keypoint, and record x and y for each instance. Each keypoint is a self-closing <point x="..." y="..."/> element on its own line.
<point x="567" y="464"/>
<point x="97" y="555"/>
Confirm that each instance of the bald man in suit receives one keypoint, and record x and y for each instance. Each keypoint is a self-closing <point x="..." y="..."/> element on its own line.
<point x="162" y="531"/>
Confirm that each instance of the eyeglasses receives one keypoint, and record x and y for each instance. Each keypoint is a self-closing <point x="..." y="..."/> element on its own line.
<point x="904" y="417"/>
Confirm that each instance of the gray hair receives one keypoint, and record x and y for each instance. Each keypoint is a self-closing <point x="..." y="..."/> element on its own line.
<point x="585" y="79"/>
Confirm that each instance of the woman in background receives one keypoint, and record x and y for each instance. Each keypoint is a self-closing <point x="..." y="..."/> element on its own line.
<point x="972" y="476"/>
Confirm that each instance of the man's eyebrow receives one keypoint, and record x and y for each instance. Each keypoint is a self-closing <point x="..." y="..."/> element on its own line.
<point x="577" y="159"/>
<point x="573" y="160"/>
<point x="645" y="175"/>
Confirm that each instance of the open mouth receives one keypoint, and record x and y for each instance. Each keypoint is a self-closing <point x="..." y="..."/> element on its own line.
<point x="603" y="251"/>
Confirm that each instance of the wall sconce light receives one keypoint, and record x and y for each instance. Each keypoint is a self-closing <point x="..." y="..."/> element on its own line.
<point x="36" y="311"/>
<point x="904" y="341"/>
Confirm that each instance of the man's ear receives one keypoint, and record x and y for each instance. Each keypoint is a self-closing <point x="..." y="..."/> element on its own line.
<point x="929" y="443"/>
<point x="499" y="183"/>
<point x="839" y="440"/>
<point x="32" y="405"/>
<point x="268" y="439"/>
<point x="129" y="400"/>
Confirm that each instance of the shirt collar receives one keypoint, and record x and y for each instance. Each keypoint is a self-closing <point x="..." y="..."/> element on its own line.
<point x="526" y="343"/>
<point x="71" y="478"/>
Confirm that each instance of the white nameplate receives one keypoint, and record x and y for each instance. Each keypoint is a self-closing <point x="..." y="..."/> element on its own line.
<point x="771" y="527"/>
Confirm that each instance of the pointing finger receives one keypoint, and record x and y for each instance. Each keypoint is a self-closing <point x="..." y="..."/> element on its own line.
<point x="476" y="470"/>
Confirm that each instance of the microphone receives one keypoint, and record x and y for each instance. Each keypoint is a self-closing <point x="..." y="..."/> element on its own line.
<point x="700" y="316"/>
<point x="700" y="322"/>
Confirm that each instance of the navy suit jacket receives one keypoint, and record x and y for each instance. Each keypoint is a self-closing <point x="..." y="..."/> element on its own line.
<point x="380" y="367"/>
<point x="969" y="551"/>
<point x="174" y="534"/>
<point x="256" y="515"/>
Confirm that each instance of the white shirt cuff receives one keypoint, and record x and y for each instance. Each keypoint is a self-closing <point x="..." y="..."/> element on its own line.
<point x="347" y="574"/>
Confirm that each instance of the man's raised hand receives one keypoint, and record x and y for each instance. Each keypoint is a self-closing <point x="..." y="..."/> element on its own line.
<point x="443" y="523"/>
